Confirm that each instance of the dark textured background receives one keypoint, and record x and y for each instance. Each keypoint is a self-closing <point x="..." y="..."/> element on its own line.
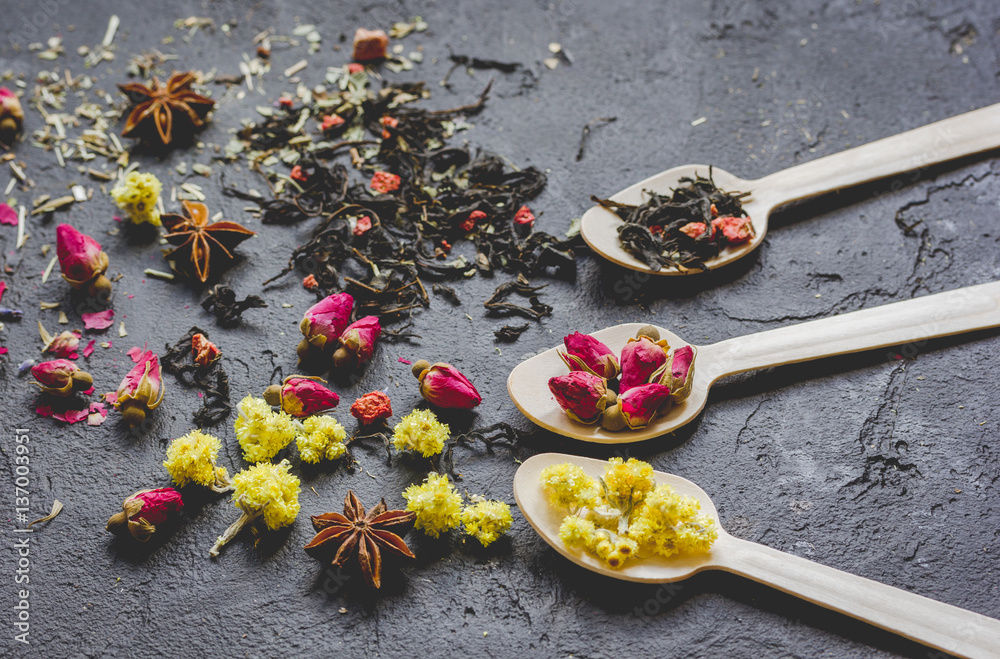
<point x="856" y="462"/>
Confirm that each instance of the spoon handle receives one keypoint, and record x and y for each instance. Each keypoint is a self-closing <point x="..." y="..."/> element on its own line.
<point x="963" y="135"/>
<point x="941" y="314"/>
<point x="939" y="625"/>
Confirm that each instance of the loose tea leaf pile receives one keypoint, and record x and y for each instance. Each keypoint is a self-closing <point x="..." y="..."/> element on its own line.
<point x="380" y="241"/>
<point x="210" y="379"/>
<point x="680" y="230"/>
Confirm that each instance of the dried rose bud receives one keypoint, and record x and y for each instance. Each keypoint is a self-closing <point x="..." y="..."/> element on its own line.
<point x="65" y="345"/>
<point x="370" y="45"/>
<point x="142" y="511"/>
<point x="640" y="404"/>
<point x="357" y="343"/>
<point x="693" y="229"/>
<point x="582" y="395"/>
<point x="641" y="357"/>
<point x="11" y="115"/>
<point x="205" y="352"/>
<point x="735" y="229"/>
<point x="81" y="260"/>
<point x="325" y="321"/>
<point x="141" y="390"/>
<point x="444" y="385"/>
<point x="372" y="407"/>
<point x="301" y="396"/>
<point x="678" y="373"/>
<point x="61" y="377"/>
<point x="585" y="353"/>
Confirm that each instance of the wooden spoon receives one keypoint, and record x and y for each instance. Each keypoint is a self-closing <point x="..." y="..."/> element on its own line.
<point x="942" y="314"/>
<point x="942" y="626"/>
<point x="964" y="135"/>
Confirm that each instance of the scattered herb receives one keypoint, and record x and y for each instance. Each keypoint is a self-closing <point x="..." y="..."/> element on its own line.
<point x="210" y="379"/>
<point x="510" y="333"/>
<point x="497" y="304"/>
<point x="586" y="132"/>
<point x="228" y="311"/>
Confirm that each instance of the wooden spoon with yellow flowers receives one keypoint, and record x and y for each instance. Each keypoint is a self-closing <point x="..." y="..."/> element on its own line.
<point x="165" y="111"/>
<point x="195" y="237"/>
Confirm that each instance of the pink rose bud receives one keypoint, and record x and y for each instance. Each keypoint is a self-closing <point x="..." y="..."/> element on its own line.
<point x="141" y="390"/>
<point x="11" y="115"/>
<point x="301" y="396"/>
<point x="81" y="260"/>
<point x="65" y="345"/>
<point x="358" y="342"/>
<point x="142" y="511"/>
<point x="370" y="45"/>
<point x="61" y="377"/>
<point x="678" y="373"/>
<point x="585" y="353"/>
<point x="582" y="395"/>
<point x="735" y="229"/>
<point x="444" y="385"/>
<point x="641" y="357"/>
<point x="325" y="321"/>
<point x="640" y="404"/>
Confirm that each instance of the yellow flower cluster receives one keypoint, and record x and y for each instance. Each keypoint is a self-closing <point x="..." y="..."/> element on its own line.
<point x="261" y="431"/>
<point x="632" y="517"/>
<point x="269" y="488"/>
<point x="436" y="503"/>
<point x="628" y="483"/>
<point x="420" y="431"/>
<point x="671" y="524"/>
<point x="191" y="459"/>
<point x="486" y="520"/>
<point x="568" y="486"/>
<point x="323" y="439"/>
<point x="137" y="195"/>
<point x="610" y="547"/>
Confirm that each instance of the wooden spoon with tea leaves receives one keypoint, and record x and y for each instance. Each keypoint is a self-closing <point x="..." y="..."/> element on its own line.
<point x="938" y="625"/>
<point x="942" y="314"/>
<point x="963" y="135"/>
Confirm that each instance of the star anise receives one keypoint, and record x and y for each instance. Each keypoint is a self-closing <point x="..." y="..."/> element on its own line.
<point x="165" y="108"/>
<point x="367" y="536"/>
<point x="195" y="237"/>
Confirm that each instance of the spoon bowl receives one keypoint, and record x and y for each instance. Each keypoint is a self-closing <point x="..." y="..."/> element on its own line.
<point x="942" y="314"/>
<point x="942" y="626"/>
<point x="599" y="226"/>
<point x="956" y="137"/>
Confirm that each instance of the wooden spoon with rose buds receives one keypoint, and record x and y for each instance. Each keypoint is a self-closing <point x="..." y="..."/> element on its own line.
<point x="941" y="314"/>
<point x="962" y="135"/>
<point x="936" y="624"/>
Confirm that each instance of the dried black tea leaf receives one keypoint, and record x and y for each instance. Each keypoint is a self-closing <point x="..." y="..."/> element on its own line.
<point x="511" y="333"/>
<point x="227" y="309"/>
<point x="498" y="305"/>
<point x="211" y="379"/>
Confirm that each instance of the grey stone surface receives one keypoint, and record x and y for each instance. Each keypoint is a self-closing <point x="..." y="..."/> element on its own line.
<point x="879" y="466"/>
